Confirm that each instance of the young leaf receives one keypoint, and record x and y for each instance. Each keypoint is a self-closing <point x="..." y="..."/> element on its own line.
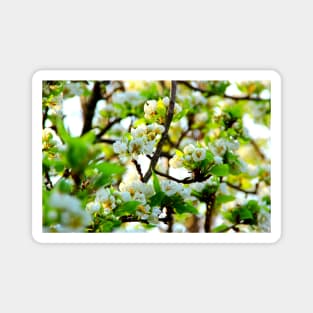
<point x="224" y="198"/>
<point x="156" y="183"/>
<point x="221" y="228"/>
<point x="127" y="208"/>
<point x="220" y="170"/>
<point x="157" y="199"/>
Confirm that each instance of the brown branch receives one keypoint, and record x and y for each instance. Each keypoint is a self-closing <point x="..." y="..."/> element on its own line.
<point x="48" y="182"/>
<point x="253" y="192"/>
<point x="44" y="116"/>
<point x="107" y="127"/>
<point x="138" y="168"/>
<point x="106" y="140"/>
<point x="209" y="93"/>
<point x="169" y="117"/>
<point x="89" y="107"/>
<point x="170" y="219"/>
<point x="209" y="212"/>
<point x="257" y="149"/>
<point x="187" y="180"/>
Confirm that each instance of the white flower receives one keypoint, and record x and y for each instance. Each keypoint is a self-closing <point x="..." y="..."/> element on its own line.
<point x="187" y="158"/>
<point x="170" y="187"/>
<point x="198" y="186"/>
<point x="125" y="196"/>
<point x="220" y="147"/>
<point x="138" y="196"/>
<point x="106" y="199"/>
<point x="136" y="146"/>
<point x="189" y="149"/>
<point x="177" y="108"/>
<point x="150" y="108"/>
<point x="179" y="228"/>
<point x="72" y="216"/>
<point x="176" y="161"/>
<point x="139" y="131"/>
<point x="199" y="154"/>
<point x="198" y="97"/>
<point x="218" y="160"/>
<point x="157" y="128"/>
<point x="148" y="147"/>
<point x="65" y="202"/>
<point x="120" y="147"/>
<point x="166" y="101"/>
<point x="223" y="188"/>
<point x="185" y="192"/>
<point x="102" y="195"/>
<point x="93" y="207"/>
<point x="201" y="117"/>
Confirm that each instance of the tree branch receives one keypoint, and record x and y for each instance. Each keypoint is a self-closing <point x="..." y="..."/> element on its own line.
<point x="209" y="94"/>
<point x="107" y="127"/>
<point x="253" y="192"/>
<point x="208" y="214"/>
<point x="257" y="149"/>
<point x="169" y="117"/>
<point x="187" y="180"/>
<point x="138" y="168"/>
<point x="89" y="107"/>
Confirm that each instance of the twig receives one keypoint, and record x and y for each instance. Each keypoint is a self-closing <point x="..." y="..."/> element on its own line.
<point x="90" y="106"/>
<point x="208" y="214"/>
<point x="106" y="140"/>
<point x="187" y="180"/>
<point x="169" y="117"/>
<point x="257" y="149"/>
<point x="48" y="183"/>
<point x="138" y="168"/>
<point x="209" y="93"/>
<point x="254" y="192"/>
<point x="107" y="127"/>
<point x="44" y="116"/>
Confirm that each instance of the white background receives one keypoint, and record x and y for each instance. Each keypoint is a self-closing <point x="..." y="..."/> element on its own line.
<point x="161" y="34"/>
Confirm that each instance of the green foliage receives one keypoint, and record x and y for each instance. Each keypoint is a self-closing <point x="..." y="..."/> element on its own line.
<point x="93" y="178"/>
<point x="127" y="208"/>
<point x="220" y="170"/>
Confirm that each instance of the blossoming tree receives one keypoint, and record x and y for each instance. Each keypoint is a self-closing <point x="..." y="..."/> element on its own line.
<point x="157" y="156"/>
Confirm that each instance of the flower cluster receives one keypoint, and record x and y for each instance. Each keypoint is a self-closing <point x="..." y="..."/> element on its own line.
<point x="142" y="141"/>
<point x="192" y="154"/>
<point x="66" y="213"/>
<point x="154" y="108"/>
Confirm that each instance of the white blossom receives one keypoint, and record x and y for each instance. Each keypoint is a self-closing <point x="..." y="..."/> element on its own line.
<point x="201" y="117"/>
<point x="120" y="147"/>
<point x="170" y="187"/>
<point x="218" y="160"/>
<point x="176" y="161"/>
<point x="189" y="149"/>
<point x="199" y="154"/>
<point x="166" y="101"/>
<point x="136" y="146"/>
<point x="93" y="207"/>
<point x="150" y="108"/>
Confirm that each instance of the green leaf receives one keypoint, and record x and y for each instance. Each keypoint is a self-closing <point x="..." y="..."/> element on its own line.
<point x="109" y="169"/>
<point x="221" y="228"/>
<point x="63" y="134"/>
<point x="182" y="207"/>
<point x="224" y="198"/>
<point x="156" y="183"/>
<point x="245" y="214"/>
<point x="220" y="170"/>
<point x="157" y="199"/>
<point x="77" y="154"/>
<point x="127" y="208"/>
